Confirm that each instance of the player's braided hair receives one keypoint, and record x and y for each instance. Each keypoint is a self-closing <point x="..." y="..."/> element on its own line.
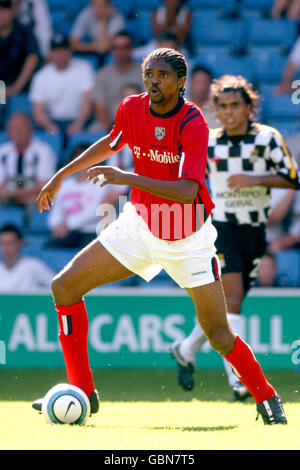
<point x="235" y="83"/>
<point x="174" y="58"/>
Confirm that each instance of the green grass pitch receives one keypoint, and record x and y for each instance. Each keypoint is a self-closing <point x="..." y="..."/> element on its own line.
<point x="146" y="410"/>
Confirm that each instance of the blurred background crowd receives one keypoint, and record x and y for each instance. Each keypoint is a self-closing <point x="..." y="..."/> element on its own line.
<point x="65" y="67"/>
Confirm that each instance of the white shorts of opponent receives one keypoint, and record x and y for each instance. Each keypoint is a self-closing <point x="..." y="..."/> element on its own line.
<point x="190" y="262"/>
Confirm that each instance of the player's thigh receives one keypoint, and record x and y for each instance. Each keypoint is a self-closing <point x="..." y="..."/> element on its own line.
<point x="210" y="307"/>
<point x="93" y="266"/>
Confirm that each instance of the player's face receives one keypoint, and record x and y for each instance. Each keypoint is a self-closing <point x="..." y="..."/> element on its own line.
<point x="162" y="84"/>
<point x="233" y="112"/>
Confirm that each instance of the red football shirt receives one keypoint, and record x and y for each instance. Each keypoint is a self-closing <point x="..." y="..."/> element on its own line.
<point x="166" y="147"/>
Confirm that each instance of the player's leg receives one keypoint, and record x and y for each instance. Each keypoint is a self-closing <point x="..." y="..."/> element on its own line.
<point x="91" y="267"/>
<point x="210" y="307"/>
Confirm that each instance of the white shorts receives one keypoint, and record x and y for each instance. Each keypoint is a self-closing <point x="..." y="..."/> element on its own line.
<point x="190" y="262"/>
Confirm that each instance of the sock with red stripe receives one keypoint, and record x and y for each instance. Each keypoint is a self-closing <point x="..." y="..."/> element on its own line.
<point x="248" y="370"/>
<point x="73" y="324"/>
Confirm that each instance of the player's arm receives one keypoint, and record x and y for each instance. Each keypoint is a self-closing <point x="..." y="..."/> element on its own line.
<point x="184" y="190"/>
<point x="240" y="181"/>
<point x="96" y="153"/>
<point x="283" y="168"/>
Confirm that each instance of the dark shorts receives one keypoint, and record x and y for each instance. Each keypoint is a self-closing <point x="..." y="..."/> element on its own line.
<point x="240" y="248"/>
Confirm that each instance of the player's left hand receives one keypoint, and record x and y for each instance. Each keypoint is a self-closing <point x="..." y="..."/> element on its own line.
<point x="240" y="181"/>
<point x="108" y="175"/>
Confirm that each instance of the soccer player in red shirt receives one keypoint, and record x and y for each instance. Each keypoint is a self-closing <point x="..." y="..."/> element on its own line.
<point x="165" y="225"/>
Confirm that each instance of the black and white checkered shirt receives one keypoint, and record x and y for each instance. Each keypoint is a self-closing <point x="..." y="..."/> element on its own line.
<point x="262" y="151"/>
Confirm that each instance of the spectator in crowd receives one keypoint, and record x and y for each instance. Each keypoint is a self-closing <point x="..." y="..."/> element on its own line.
<point x="172" y="16"/>
<point x="290" y="239"/>
<point x="20" y="273"/>
<point x="199" y="92"/>
<point x="288" y="8"/>
<point x="35" y="15"/>
<point x="111" y="79"/>
<point x="61" y="91"/>
<point x="166" y="39"/>
<point x="74" y="216"/>
<point x="26" y="162"/>
<point x="278" y="221"/>
<point x="19" y="55"/>
<point x="267" y="272"/>
<point x="291" y="68"/>
<point x="95" y="27"/>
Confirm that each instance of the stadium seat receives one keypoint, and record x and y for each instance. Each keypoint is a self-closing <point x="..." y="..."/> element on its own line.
<point x="57" y="258"/>
<point x="257" y="4"/>
<point x="33" y="244"/>
<point x="197" y="4"/>
<point x="12" y="215"/>
<point x="143" y="31"/>
<point x="38" y="223"/>
<point x="288" y="267"/>
<point x="281" y="107"/>
<point x="146" y="4"/>
<point x="286" y="127"/>
<point x="221" y="63"/>
<point x="223" y="31"/>
<point x="80" y="138"/>
<point x="267" y="31"/>
<point x="268" y="63"/>
<point x="18" y="103"/>
<point x="55" y="140"/>
<point x="62" y="22"/>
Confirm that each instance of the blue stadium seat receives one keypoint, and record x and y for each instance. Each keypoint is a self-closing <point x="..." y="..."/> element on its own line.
<point x="57" y="258"/>
<point x="288" y="267"/>
<point x="223" y="31"/>
<point x="146" y="4"/>
<point x="12" y="215"/>
<point x="281" y="107"/>
<point x="18" y="103"/>
<point x="257" y="4"/>
<point x="197" y="4"/>
<point x="62" y="22"/>
<point x="269" y="64"/>
<point x="286" y="127"/>
<point x="267" y="31"/>
<point x="81" y="138"/>
<point x="143" y="32"/>
<point x="33" y="244"/>
<point x="55" y="140"/>
<point x="38" y="223"/>
<point x="125" y="7"/>
<point x="220" y="63"/>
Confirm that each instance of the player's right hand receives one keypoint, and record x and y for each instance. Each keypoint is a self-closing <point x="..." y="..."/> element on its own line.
<point x="47" y="193"/>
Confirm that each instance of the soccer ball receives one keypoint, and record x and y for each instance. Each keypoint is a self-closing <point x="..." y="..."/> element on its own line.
<point x="66" y="404"/>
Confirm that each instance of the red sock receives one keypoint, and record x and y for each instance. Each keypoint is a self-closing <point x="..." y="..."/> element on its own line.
<point x="73" y="324"/>
<point x="249" y="371"/>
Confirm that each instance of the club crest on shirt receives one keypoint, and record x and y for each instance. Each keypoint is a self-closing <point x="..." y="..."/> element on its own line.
<point x="160" y="132"/>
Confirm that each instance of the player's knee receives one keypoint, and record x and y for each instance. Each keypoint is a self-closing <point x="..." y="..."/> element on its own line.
<point x="221" y="339"/>
<point x="60" y="288"/>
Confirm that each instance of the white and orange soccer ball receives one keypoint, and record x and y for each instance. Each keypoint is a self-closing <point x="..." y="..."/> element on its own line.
<point x="66" y="404"/>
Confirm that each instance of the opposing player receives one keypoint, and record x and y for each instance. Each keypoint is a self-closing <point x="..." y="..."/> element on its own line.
<point x="166" y="225"/>
<point x="245" y="160"/>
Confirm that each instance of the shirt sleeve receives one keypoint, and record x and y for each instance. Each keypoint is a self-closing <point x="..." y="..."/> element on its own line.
<point x="281" y="161"/>
<point x="118" y="133"/>
<point x="193" y="146"/>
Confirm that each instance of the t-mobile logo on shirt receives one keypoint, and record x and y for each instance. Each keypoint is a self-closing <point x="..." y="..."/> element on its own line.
<point x="156" y="156"/>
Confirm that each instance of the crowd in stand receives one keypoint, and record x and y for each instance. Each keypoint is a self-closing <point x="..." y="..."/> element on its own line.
<point x="72" y="84"/>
